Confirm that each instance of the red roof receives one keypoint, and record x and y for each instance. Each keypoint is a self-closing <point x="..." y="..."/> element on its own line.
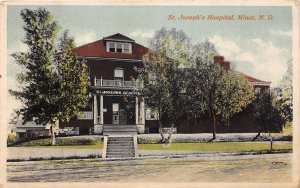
<point x="226" y="64"/>
<point x="98" y="49"/>
<point x="251" y="79"/>
<point x="118" y="36"/>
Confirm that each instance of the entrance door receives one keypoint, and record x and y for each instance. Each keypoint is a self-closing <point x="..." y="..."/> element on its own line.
<point x="115" y="112"/>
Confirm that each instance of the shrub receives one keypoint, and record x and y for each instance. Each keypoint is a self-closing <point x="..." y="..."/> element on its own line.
<point x="60" y="142"/>
<point x="11" y="138"/>
<point x="288" y="129"/>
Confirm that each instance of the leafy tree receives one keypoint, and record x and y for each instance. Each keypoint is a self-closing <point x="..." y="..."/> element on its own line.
<point x="53" y="85"/>
<point x="73" y="79"/>
<point x="180" y="79"/>
<point x="201" y="57"/>
<point x="212" y="89"/>
<point x="171" y="45"/>
<point x="226" y="92"/>
<point x="162" y="75"/>
<point x="267" y="112"/>
<point x="285" y="93"/>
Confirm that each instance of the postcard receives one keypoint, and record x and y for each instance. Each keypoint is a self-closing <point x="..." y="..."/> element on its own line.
<point x="149" y="94"/>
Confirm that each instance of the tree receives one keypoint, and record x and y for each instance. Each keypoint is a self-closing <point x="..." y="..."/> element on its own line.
<point x="267" y="113"/>
<point x="285" y="93"/>
<point x="201" y="57"/>
<point x="226" y="92"/>
<point x="162" y="75"/>
<point x="212" y="89"/>
<point x="73" y="79"/>
<point x="50" y="91"/>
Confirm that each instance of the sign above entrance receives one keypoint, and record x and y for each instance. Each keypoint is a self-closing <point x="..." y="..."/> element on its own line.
<point x="116" y="92"/>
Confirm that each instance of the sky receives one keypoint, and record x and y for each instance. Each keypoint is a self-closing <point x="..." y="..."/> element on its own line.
<point x="260" y="48"/>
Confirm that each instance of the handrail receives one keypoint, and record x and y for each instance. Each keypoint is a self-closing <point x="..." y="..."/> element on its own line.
<point x="116" y="83"/>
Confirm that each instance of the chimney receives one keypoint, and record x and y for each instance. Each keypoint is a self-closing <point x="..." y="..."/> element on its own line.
<point x="220" y="61"/>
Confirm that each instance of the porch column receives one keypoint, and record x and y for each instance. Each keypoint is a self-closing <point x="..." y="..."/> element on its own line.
<point x="101" y="109"/>
<point x="142" y="112"/>
<point x="95" y="108"/>
<point x="136" y="111"/>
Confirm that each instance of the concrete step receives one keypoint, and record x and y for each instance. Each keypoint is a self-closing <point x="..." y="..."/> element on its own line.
<point x="119" y="130"/>
<point x="119" y="144"/>
<point x="118" y="147"/>
<point x="119" y="127"/>
<point x="120" y="138"/>
<point x="119" y="152"/>
<point x="119" y="133"/>
<point x="119" y="156"/>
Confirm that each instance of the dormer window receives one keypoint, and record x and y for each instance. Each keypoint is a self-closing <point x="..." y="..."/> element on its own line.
<point x="111" y="47"/>
<point x="119" y="47"/>
<point x="126" y="48"/>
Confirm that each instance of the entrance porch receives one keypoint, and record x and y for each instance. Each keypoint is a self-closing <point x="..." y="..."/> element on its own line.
<point x="118" y="114"/>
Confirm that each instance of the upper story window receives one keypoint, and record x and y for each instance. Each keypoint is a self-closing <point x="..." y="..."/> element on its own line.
<point x="119" y="47"/>
<point x="119" y="73"/>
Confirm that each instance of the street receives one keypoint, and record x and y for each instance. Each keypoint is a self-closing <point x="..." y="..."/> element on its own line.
<point x="242" y="168"/>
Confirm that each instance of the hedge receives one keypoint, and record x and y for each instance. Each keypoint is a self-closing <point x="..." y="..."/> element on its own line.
<point x="60" y="142"/>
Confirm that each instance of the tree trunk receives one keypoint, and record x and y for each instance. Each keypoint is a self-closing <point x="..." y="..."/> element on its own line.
<point x="258" y="133"/>
<point x="161" y="132"/>
<point x="53" y="136"/>
<point x="195" y="120"/>
<point x="170" y="134"/>
<point x="271" y="141"/>
<point x="214" y="126"/>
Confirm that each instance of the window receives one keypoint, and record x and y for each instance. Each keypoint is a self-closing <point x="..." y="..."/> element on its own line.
<point x="126" y="48"/>
<point x="111" y="47"/>
<point x="119" y="73"/>
<point x="119" y="47"/>
<point x="257" y="90"/>
<point x="151" y="114"/>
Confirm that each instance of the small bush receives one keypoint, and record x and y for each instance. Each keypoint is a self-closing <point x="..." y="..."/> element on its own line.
<point x="11" y="138"/>
<point x="288" y="129"/>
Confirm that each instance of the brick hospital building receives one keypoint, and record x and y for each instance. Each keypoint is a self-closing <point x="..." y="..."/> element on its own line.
<point x="111" y="63"/>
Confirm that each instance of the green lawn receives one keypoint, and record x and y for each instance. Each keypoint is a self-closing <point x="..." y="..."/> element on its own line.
<point x="219" y="146"/>
<point x="98" y="145"/>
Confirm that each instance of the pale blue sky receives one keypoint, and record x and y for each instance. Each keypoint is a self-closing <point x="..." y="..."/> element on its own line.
<point x="258" y="48"/>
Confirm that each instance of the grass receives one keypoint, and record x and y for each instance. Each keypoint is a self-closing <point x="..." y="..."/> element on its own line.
<point x="219" y="146"/>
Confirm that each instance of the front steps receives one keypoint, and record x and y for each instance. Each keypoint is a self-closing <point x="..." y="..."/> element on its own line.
<point x="109" y="129"/>
<point x="121" y="147"/>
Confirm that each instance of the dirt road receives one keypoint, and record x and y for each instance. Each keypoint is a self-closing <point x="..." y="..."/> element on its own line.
<point x="247" y="168"/>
